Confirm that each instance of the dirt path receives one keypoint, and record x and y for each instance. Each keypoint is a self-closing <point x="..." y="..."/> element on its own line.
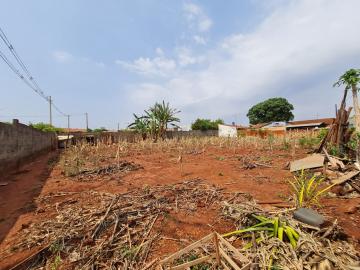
<point x="23" y="186"/>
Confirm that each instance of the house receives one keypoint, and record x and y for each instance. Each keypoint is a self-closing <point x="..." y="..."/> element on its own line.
<point x="230" y="130"/>
<point x="227" y="131"/>
<point x="65" y="140"/>
<point x="310" y="124"/>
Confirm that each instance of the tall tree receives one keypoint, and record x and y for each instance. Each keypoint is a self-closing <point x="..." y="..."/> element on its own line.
<point x="350" y="79"/>
<point x="273" y="109"/>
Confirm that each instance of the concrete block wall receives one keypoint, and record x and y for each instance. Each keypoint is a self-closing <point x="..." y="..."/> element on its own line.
<point x="19" y="143"/>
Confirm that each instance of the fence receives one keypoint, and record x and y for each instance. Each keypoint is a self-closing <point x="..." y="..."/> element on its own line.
<point x="19" y="142"/>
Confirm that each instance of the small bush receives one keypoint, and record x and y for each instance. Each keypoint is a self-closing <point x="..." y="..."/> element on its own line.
<point x="309" y="142"/>
<point x="45" y="127"/>
<point x="206" y="124"/>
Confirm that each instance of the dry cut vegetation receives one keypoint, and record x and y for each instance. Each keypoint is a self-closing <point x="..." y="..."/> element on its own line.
<point x="102" y="230"/>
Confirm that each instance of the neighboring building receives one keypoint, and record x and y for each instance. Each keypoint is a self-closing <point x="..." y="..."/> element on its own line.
<point x="64" y="140"/>
<point x="310" y="124"/>
<point x="230" y="130"/>
<point x="292" y="125"/>
<point x="259" y="125"/>
<point x="227" y="131"/>
<point x="275" y="126"/>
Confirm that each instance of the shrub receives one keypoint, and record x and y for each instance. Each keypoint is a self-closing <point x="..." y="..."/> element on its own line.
<point x="46" y="127"/>
<point x="206" y="124"/>
<point x="306" y="190"/>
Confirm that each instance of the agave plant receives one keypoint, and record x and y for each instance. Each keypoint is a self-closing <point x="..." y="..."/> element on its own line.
<point x="307" y="191"/>
<point x="155" y="121"/>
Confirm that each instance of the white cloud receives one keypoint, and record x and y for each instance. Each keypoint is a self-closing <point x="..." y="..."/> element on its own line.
<point x="62" y="56"/>
<point x="197" y="17"/>
<point x="160" y="66"/>
<point x="159" y="51"/>
<point x="299" y="46"/>
<point x="186" y="57"/>
<point x="100" y="64"/>
<point x="199" y="40"/>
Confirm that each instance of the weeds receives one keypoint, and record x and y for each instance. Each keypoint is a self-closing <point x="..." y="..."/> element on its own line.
<point x="271" y="228"/>
<point x="309" y="142"/>
<point x="56" y="249"/>
<point x="307" y="191"/>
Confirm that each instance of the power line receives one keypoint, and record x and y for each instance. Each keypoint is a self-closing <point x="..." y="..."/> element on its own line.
<point x="30" y="81"/>
<point x="22" y="65"/>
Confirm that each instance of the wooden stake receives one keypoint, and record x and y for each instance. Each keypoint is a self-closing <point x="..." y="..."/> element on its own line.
<point x="216" y="242"/>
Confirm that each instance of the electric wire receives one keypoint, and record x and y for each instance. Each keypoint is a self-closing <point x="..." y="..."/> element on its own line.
<point x="30" y="81"/>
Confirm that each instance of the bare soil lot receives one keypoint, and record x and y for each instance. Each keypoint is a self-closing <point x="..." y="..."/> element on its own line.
<point x="40" y="191"/>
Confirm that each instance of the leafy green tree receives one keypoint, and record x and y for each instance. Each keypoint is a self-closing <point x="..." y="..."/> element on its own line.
<point x="351" y="79"/>
<point x="206" y="124"/>
<point x="273" y="109"/>
<point x="45" y="127"/>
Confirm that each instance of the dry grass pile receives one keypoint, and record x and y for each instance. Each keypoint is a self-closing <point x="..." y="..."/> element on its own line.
<point x="315" y="249"/>
<point x="92" y="230"/>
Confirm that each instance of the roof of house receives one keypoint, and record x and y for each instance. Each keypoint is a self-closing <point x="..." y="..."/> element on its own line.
<point x="276" y="124"/>
<point x="306" y="125"/>
<point x="235" y="126"/>
<point x="327" y="121"/>
<point x="64" y="137"/>
<point x="259" y="125"/>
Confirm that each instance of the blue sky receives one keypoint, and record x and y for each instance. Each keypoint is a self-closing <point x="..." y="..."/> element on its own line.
<point x="212" y="59"/>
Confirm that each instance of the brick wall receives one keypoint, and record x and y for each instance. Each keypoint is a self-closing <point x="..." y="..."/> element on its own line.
<point x="19" y="143"/>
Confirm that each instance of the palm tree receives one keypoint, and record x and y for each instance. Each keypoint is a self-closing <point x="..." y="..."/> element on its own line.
<point x="350" y="79"/>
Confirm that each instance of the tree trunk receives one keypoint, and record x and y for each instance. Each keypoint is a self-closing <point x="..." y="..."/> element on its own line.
<point x="357" y="118"/>
<point x="356" y="107"/>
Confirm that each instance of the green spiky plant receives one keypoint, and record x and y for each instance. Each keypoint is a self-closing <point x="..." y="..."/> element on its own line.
<point x="161" y="115"/>
<point x="307" y="191"/>
<point x="272" y="227"/>
<point x="155" y="121"/>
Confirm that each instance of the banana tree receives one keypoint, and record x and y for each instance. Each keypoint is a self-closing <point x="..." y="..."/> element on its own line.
<point x="161" y="115"/>
<point x="140" y="125"/>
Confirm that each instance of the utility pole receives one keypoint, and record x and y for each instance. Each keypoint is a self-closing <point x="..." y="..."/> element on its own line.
<point x="50" y="105"/>
<point x="68" y="122"/>
<point x="87" y="121"/>
<point x="118" y="127"/>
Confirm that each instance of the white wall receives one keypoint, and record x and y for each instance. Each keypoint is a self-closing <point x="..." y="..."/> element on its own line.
<point x="227" y="131"/>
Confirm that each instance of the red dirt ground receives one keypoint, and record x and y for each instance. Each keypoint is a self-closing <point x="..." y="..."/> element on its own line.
<point x="219" y="166"/>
